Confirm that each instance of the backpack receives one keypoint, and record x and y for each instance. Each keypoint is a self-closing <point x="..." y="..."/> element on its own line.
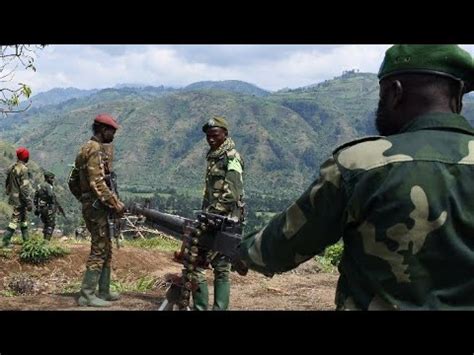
<point x="74" y="183"/>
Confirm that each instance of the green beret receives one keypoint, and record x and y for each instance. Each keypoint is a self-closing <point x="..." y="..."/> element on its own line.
<point x="447" y="60"/>
<point x="48" y="174"/>
<point x="216" y="121"/>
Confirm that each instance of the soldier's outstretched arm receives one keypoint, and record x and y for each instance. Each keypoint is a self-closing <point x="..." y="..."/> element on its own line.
<point x="305" y="229"/>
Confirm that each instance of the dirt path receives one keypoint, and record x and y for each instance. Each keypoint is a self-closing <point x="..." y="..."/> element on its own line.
<point x="305" y="288"/>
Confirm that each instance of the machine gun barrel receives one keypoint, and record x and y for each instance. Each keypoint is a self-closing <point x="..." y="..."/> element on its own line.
<point x="170" y="224"/>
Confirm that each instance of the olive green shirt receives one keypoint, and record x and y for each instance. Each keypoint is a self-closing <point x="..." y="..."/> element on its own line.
<point x="404" y="206"/>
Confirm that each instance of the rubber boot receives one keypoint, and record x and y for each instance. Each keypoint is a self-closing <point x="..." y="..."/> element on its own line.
<point x="221" y="295"/>
<point x="7" y="237"/>
<point x="201" y="297"/>
<point x="87" y="294"/>
<point x="104" y="286"/>
<point x="24" y="233"/>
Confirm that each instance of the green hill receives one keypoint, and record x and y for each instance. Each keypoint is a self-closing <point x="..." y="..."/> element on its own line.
<point x="283" y="136"/>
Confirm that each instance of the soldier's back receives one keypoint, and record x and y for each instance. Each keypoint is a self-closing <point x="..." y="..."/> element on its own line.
<point x="409" y="219"/>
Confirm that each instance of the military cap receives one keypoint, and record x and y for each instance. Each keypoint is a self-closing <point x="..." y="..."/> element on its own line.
<point x="106" y="119"/>
<point x="22" y="153"/>
<point x="48" y="174"/>
<point x="216" y="121"/>
<point x="446" y="60"/>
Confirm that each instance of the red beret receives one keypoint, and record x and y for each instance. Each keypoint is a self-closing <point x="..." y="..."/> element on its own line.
<point x="22" y="153"/>
<point x="107" y="120"/>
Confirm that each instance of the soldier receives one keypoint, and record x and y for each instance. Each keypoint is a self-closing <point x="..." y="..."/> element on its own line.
<point x="19" y="189"/>
<point x="46" y="205"/>
<point x="94" y="162"/>
<point x="223" y="194"/>
<point x="402" y="202"/>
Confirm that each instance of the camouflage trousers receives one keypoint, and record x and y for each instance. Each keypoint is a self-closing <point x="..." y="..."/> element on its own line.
<point x="18" y="218"/>
<point x="221" y="268"/>
<point x="101" y="246"/>
<point x="48" y="217"/>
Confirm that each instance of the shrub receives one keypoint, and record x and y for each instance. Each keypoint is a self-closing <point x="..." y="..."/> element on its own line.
<point x="333" y="253"/>
<point x="36" y="250"/>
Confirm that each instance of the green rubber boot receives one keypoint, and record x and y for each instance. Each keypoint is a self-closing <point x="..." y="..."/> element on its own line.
<point x="221" y="295"/>
<point x="87" y="294"/>
<point x="24" y="233"/>
<point x="7" y="237"/>
<point x="104" y="286"/>
<point x="201" y="297"/>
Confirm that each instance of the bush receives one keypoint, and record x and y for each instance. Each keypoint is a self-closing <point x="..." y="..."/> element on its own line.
<point x="36" y="250"/>
<point x="333" y="253"/>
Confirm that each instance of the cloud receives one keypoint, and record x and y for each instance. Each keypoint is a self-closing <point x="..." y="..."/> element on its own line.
<point x="271" y="67"/>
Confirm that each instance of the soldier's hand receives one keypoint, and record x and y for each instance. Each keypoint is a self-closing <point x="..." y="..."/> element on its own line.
<point x="29" y="207"/>
<point x="120" y="208"/>
<point x="37" y="212"/>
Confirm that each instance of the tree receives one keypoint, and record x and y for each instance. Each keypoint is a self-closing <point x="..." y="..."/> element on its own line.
<point x="12" y="58"/>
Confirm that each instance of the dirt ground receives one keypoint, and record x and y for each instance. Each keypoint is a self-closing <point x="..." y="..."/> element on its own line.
<point x="55" y="283"/>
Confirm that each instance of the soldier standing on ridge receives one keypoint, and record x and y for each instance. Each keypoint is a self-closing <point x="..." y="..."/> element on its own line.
<point x="223" y="194"/>
<point x="46" y="205"/>
<point x="94" y="163"/>
<point x="18" y="188"/>
<point x="403" y="202"/>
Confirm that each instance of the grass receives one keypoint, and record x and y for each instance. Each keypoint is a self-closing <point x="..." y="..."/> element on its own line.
<point x="143" y="284"/>
<point x="160" y="243"/>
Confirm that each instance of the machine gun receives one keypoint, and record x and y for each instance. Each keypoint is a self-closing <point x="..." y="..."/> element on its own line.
<point x="202" y="239"/>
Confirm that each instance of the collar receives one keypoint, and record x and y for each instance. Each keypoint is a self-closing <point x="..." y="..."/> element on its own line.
<point x="439" y="121"/>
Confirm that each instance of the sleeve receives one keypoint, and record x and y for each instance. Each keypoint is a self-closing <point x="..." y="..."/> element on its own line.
<point x="26" y="190"/>
<point x="226" y="201"/>
<point x="306" y="228"/>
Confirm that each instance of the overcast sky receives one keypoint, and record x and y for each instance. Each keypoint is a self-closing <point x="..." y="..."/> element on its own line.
<point x="270" y="67"/>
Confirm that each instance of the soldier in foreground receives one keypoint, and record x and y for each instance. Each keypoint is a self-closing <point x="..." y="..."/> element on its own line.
<point x="403" y="202"/>
<point x="18" y="188"/>
<point x="94" y="164"/>
<point x="46" y="205"/>
<point x="223" y="195"/>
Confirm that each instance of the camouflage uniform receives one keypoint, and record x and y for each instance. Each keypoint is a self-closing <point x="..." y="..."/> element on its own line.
<point x="19" y="190"/>
<point x="46" y="205"/>
<point x="94" y="162"/>
<point x="404" y="208"/>
<point x="223" y="194"/>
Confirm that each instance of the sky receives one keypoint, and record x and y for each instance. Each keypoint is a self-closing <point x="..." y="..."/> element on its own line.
<point x="271" y="67"/>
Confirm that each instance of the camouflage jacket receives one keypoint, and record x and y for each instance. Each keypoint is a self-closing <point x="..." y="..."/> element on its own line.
<point x="17" y="185"/>
<point x="404" y="206"/>
<point x="45" y="196"/>
<point x="223" y="192"/>
<point x="94" y="162"/>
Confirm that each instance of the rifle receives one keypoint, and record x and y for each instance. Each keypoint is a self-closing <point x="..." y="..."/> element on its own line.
<point x="114" y="232"/>
<point x="202" y="238"/>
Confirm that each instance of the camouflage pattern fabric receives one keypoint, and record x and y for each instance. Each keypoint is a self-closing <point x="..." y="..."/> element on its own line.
<point x="18" y="218"/>
<point x="223" y="192"/>
<point x="18" y="185"/>
<point x="404" y="207"/>
<point x="95" y="162"/>
<point x="46" y="203"/>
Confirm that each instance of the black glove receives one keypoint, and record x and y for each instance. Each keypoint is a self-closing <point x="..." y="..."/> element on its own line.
<point x="29" y="206"/>
<point x="37" y="212"/>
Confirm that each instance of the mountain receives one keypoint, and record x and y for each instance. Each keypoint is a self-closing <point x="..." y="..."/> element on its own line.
<point x="283" y="137"/>
<point x="58" y="95"/>
<point x="230" y="86"/>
